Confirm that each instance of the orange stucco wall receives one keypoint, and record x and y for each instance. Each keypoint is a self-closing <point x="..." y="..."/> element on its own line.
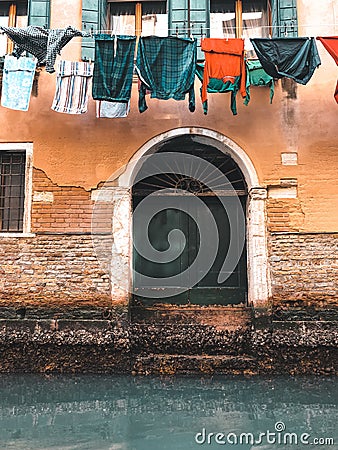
<point x="84" y="151"/>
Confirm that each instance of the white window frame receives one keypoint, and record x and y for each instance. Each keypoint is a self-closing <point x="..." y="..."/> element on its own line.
<point x="26" y="147"/>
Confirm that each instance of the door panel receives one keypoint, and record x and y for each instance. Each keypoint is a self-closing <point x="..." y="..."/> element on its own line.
<point x="208" y="291"/>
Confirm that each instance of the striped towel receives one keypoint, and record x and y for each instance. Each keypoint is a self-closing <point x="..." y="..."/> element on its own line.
<point x="71" y="95"/>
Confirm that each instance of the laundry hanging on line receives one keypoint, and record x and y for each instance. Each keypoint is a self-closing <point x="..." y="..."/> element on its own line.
<point x="17" y="82"/>
<point x="71" y="95"/>
<point x="113" y="68"/>
<point x="44" y="44"/>
<point x="295" y="58"/>
<point x="224" y="69"/>
<point x="166" y="68"/>
<point x="331" y="45"/>
<point x="256" y="76"/>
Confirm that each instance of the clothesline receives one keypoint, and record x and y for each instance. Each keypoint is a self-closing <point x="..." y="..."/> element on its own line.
<point x="88" y="30"/>
<point x="91" y="31"/>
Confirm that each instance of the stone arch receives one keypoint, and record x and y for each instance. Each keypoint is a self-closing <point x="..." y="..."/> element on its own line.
<point x="203" y="135"/>
<point x="259" y="288"/>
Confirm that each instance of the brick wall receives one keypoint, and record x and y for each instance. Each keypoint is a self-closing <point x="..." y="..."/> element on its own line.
<point x="60" y="264"/>
<point x="53" y="270"/>
<point x="304" y="268"/>
<point x="59" y="208"/>
<point x="284" y="215"/>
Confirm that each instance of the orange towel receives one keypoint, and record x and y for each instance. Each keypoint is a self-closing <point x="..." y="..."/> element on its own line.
<point x="224" y="59"/>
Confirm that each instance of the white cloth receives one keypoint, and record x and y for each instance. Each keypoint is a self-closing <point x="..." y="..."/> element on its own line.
<point x="112" y="110"/>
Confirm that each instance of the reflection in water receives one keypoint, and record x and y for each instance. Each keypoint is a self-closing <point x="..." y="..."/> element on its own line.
<point x="125" y="413"/>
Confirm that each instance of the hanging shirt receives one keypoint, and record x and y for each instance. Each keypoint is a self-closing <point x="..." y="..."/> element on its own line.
<point x="44" y="44"/>
<point x="295" y="58"/>
<point x="331" y="45"/>
<point x="166" y="68"/>
<point x="224" y="61"/>
<point x="112" y="110"/>
<point x="17" y="82"/>
<point x="256" y="76"/>
<point x="217" y="86"/>
<point x="71" y="94"/>
<point x="113" y="68"/>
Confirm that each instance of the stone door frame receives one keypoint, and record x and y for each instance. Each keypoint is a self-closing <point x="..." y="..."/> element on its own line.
<point x="259" y="286"/>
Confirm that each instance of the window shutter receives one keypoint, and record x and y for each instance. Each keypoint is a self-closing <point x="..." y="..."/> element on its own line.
<point x="39" y="13"/>
<point x="284" y="18"/>
<point x="94" y="17"/>
<point x="189" y="17"/>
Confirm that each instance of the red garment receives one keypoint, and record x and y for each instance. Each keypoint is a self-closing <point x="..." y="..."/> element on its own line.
<point x="224" y="59"/>
<point x="331" y="45"/>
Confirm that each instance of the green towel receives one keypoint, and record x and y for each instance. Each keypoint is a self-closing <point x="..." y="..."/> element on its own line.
<point x="217" y="86"/>
<point x="256" y="76"/>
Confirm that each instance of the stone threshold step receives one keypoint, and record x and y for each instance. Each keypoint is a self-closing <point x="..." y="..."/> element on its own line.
<point x="167" y="364"/>
<point x="211" y="315"/>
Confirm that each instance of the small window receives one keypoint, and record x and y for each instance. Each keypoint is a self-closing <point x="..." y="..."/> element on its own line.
<point x="12" y="190"/>
<point x="138" y="18"/>
<point x="13" y="14"/>
<point x="15" y="187"/>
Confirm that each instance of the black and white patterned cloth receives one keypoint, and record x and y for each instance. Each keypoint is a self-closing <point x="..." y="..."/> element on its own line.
<point x="44" y="44"/>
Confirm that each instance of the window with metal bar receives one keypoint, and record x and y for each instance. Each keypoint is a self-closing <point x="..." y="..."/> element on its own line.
<point x="12" y="190"/>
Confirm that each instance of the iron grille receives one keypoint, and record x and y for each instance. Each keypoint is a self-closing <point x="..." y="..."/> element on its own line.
<point x="12" y="190"/>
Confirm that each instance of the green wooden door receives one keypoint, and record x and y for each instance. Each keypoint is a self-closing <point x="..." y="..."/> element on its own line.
<point x="208" y="290"/>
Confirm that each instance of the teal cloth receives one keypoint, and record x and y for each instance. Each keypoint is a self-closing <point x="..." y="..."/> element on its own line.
<point x="113" y="68"/>
<point x="295" y="57"/>
<point x="166" y="68"/>
<point x="256" y="76"/>
<point x="217" y="86"/>
<point x="17" y="82"/>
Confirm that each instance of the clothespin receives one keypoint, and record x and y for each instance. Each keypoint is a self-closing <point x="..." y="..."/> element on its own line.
<point x="91" y="31"/>
<point x="176" y="30"/>
<point x="285" y="29"/>
<point x="115" y="46"/>
<point x="191" y="34"/>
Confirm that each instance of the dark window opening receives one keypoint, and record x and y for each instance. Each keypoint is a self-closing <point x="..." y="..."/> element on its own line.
<point x="247" y="18"/>
<point x="12" y="190"/>
<point x="139" y="18"/>
<point x="12" y="14"/>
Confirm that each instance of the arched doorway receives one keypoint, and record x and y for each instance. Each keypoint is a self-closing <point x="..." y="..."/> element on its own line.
<point x="222" y="192"/>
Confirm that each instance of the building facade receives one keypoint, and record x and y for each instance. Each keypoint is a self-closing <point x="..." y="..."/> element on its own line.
<point x="68" y="189"/>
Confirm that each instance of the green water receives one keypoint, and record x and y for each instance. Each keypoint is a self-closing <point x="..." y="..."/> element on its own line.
<point x="125" y="413"/>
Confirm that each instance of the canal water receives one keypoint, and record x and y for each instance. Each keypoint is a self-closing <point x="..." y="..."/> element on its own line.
<point x="131" y="413"/>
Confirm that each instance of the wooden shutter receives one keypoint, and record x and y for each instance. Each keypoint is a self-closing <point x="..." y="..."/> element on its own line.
<point x="189" y="17"/>
<point x="284" y="18"/>
<point x="39" y="13"/>
<point x="94" y="17"/>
